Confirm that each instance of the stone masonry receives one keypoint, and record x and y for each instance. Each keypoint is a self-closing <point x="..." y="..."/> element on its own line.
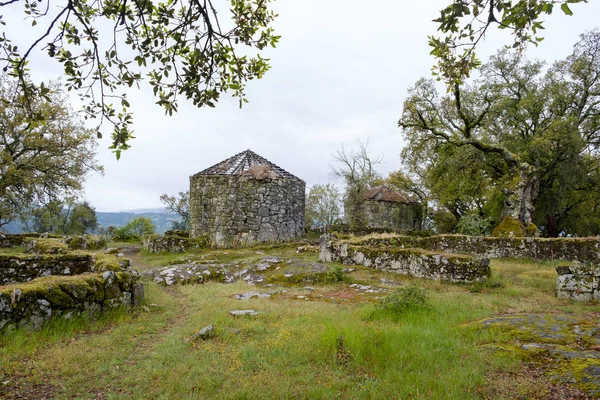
<point x="245" y="200"/>
<point x="385" y="208"/>
<point x="578" y="281"/>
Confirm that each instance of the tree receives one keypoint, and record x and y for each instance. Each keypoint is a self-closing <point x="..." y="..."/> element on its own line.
<point x="68" y="218"/>
<point x="178" y="205"/>
<point x="356" y="168"/>
<point x="41" y="161"/>
<point x="464" y="23"/>
<point x="107" y="46"/>
<point x="137" y="228"/>
<point x="323" y="206"/>
<point x="411" y="183"/>
<point x="529" y="125"/>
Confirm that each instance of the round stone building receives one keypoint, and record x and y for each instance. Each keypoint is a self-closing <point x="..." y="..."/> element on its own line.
<point x="245" y="200"/>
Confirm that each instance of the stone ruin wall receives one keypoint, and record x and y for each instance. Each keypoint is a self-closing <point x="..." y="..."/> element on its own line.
<point x="578" y="281"/>
<point x="240" y="210"/>
<point x="53" y="282"/>
<point x="392" y="215"/>
<point x="585" y="250"/>
<point x="414" y="262"/>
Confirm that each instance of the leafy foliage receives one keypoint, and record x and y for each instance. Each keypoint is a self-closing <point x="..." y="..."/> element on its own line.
<point x="69" y="218"/>
<point x="181" y="206"/>
<point x="520" y="136"/>
<point x="404" y="299"/>
<point x="136" y="229"/>
<point x="337" y="274"/>
<point x="107" y="46"/>
<point x="42" y="161"/>
<point x="464" y="23"/>
<point x="473" y="225"/>
<point x="323" y="206"/>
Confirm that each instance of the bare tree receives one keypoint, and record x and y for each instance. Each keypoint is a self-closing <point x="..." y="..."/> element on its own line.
<point x="356" y="168"/>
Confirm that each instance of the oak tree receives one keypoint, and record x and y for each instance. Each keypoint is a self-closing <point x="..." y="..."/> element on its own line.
<point x="182" y="48"/>
<point x="45" y="160"/>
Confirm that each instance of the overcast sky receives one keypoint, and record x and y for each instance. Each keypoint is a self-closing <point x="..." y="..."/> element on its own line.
<point x="339" y="74"/>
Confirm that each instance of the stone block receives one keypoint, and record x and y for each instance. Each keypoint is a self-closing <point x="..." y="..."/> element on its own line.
<point x="570" y="283"/>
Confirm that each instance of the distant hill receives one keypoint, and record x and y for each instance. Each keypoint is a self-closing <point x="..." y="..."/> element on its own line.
<point x="161" y="219"/>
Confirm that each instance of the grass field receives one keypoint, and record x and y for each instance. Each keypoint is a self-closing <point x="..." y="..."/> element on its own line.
<point x="332" y="342"/>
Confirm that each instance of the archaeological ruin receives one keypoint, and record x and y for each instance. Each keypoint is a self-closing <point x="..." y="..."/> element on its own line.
<point x="385" y="208"/>
<point x="246" y="199"/>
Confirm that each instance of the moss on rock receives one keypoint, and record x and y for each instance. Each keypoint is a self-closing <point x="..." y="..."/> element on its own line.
<point x="510" y="227"/>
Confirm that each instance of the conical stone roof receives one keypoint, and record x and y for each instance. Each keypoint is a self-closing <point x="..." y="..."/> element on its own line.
<point x="248" y="163"/>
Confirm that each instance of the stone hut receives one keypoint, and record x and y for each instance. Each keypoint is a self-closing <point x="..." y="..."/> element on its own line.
<point x="387" y="209"/>
<point x="244" y="200"/>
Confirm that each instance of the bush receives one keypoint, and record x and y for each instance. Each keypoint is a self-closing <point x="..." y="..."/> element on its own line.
<point x="404" y="299"/>
<point x="473" y="225"/>
<point x="135" y="229"/>
<point x="337" y="274"/>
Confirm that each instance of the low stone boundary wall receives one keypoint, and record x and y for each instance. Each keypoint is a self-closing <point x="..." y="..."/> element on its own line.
<point x="162" y="244"/>
<point x="580" y="249"/>
<point x="16" y="268"/>
<point x="26" y="267"/>
<point x="173" y="243"/>
<point x="32" y="304"/>
<point x="578" y="282"/>
<point x="410" y="261"/>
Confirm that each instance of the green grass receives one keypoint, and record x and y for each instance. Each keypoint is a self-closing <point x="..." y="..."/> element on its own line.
<point x="294" y="348"/>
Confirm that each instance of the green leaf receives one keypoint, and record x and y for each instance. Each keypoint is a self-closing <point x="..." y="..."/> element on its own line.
<point x="566" y="9"/>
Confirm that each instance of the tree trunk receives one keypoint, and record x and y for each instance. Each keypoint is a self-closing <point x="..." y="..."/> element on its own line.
<point x="521" y="194"/>
<point x="551" y="227"/>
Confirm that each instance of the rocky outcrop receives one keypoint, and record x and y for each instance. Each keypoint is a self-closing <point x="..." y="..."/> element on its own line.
<point x="268" y="270"/>
<point x="578" y="281"/>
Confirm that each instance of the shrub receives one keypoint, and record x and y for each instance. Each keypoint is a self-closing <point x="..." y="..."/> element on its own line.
<point x="473" y="225"/>
<point x="337" y="274"/>
<point x="404" y="299"/>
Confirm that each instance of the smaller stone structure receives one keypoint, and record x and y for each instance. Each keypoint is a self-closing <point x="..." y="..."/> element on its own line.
<point x="244" y="200"/>
<point x="578" y="281"/>
<point x="385" y="208"/>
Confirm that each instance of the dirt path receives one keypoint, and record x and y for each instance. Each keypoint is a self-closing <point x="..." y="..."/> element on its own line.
<point x="133" y="253"/>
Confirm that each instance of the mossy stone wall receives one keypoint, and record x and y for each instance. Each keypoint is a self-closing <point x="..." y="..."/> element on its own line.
<point x="240" y="210"/>
<point x="33" y="303"/>
<point x="16" y="268"/>
<point x="573" y="249"/>
<point x="410" y="261"/>
<point x="392" y="215"/>
<point x="25" y="267"/>
<point x="578" y="281"/>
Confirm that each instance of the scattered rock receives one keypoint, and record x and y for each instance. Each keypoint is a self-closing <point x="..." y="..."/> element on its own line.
<point x="563" y="341"/>
<point x="204" y="333"/>
<point x="237" y="313"/>
<point x="251" y="295"/>
<point x="111" y="250"/>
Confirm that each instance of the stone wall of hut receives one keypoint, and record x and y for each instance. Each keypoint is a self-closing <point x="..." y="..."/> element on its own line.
<point x="392" y="215"/>
<point x="240" y="210"/>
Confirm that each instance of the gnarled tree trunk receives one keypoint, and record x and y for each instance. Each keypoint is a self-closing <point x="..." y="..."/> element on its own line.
<point x="521" y="194"/>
